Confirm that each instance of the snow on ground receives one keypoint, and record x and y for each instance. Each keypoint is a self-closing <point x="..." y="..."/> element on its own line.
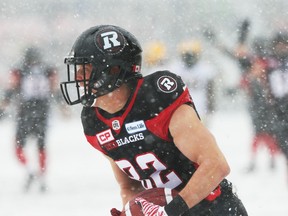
<point x="264" y="192"/>
<point x="81" y="183"/>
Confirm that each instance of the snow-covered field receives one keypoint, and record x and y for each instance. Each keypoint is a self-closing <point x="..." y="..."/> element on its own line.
<point x="81" y="183"/>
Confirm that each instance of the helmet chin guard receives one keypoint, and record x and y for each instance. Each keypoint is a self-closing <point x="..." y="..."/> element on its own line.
<point x="104" y="47"/>
<point x="88" y="100"/>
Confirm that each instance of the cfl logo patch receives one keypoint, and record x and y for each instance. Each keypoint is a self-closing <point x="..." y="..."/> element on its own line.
<point x="116" y="125"/>
<point x="105" y="137"/>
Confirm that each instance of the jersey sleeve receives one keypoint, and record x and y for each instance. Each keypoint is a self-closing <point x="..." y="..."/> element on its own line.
<point x="169" y="87"/>
<point x="171" y="93"/>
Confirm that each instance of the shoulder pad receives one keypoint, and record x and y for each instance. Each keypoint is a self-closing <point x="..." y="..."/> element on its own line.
<point x="166" y="82"/>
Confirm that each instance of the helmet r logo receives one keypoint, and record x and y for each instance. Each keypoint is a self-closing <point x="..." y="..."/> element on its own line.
<point x="109" y="39"/>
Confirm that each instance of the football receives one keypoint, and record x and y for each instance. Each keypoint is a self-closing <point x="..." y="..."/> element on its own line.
<point x="159" y="196"/>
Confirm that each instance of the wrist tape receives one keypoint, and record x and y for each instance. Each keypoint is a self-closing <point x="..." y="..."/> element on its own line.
<point x="176" y="207"/>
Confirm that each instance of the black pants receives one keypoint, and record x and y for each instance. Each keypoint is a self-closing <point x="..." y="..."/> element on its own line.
<point x="32" y="121"/>
<point x="281" y="127"/>
<point x="227" y="204"/>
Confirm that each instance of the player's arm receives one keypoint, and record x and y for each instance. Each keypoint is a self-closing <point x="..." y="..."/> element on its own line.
<point x="53" y="79"/>
<point x="10" y="90"/>
<point x="196" y="142"/>
<point x="128" y="187"/>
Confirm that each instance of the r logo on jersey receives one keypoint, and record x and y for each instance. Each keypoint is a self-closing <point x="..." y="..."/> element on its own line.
<point x="167" y="84"/>
<point x="109" y="41"/>
<point x="105" y="137"/>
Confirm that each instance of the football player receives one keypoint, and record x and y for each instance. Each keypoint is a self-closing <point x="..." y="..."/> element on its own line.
<point x="31" y="85"/>
<point x="278" y="84"/>
<point x="147" y="127"/>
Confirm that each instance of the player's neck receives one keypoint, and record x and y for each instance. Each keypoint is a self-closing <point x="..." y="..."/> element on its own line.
<point x="114" y="101"/>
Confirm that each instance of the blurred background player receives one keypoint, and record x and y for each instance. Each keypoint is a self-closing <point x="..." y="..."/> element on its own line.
<point x="32" y="86"/>
<point x="155" y="57"/>
<point x="278" y="86"/>
<point x="254" y="62"/>
<point x="259" y="102"/>
<point x="199" y="76"/>
<point x="265" y="80"/>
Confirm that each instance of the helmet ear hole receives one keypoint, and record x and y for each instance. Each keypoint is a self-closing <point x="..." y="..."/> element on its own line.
<point x="114" y="70"/>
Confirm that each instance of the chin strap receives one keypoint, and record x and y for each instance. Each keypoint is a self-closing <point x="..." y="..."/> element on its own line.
<point x="88" y="100"/>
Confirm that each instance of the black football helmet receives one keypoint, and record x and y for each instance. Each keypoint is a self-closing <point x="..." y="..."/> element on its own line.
<point x="103" y="47"/>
